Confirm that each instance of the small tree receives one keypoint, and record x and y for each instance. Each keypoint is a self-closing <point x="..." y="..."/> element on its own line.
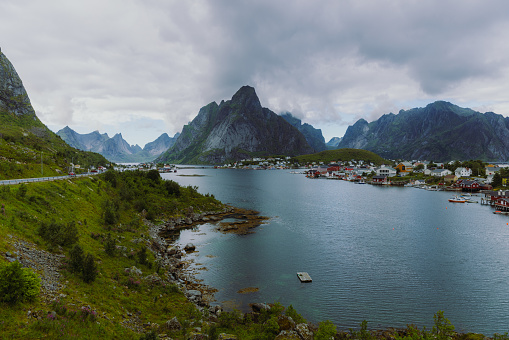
<point x="76" y="259"/>
<point x="497" y="180"/>
<point x="89" y="269"/>
<point x="18" y="284"/>
<point x="442" y="329"/>
<point x="109" y="245"/>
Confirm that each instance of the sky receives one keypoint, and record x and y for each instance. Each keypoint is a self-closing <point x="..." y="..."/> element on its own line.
<point x="146" y="67"/>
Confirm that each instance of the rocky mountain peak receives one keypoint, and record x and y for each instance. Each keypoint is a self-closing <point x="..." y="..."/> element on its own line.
<point x="13" y="95"/>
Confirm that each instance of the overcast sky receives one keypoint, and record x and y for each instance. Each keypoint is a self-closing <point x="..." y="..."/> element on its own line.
<point x="145" y="67"/>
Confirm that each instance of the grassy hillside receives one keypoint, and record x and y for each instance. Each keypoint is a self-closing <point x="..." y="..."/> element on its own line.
<point x="25" y="143"/>
<point x="342" y="155"/>
<point x="97" y="207"/>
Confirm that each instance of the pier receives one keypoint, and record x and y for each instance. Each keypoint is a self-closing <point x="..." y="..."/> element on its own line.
<point x="304" y="277"/>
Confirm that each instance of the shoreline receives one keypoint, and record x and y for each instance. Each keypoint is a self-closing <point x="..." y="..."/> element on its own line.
<point x="170" y="256"/>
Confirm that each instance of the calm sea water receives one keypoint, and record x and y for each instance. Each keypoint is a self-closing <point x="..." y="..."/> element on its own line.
<point x="391" y="256"/>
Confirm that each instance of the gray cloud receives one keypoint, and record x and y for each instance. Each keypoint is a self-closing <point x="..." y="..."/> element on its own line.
<point x="110" y="64"/>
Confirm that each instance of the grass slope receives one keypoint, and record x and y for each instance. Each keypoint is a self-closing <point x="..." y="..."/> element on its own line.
<point x="342" y="155"/>
<point x="25" y="143"/>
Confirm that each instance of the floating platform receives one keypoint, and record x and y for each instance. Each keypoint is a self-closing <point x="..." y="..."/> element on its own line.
<point x="304" y="277"/>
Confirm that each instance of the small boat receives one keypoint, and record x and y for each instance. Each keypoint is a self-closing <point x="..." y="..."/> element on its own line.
<point x="457" y="199"/>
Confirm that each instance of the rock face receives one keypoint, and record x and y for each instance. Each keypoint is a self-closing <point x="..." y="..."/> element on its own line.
<point x="116" y="149"/>
<point x="334" y="142"/>
<point x="440" y="132"/>
<point x="236" y="129"/>
<point x="313" y="136"/>
<point x="13" y="96"/>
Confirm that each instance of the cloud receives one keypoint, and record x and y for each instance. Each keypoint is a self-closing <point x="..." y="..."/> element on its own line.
<point x="114" y="63"/>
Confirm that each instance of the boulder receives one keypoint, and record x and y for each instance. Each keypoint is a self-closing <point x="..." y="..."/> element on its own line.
<point x="285" y="323"/>
<point x="189" y="247"/>
<point x="173" y="324"/>
<point x="290" y="335"/>
<point x="194" y="295"/>
<point x="224" y="336"/>
<point x="303" y="330"/>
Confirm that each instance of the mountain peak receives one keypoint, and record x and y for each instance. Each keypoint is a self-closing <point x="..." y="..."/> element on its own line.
<point x="13" y="95"/>
<point x="246" y="97"/>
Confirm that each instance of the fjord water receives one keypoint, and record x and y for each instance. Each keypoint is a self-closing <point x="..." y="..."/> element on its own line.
<point x="392" y="256"/>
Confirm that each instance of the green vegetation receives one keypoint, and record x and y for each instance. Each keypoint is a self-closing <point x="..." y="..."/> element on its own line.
<point x="329" y="156"/>
<point x="17" y="283"/>
<point x="28" y="149"/>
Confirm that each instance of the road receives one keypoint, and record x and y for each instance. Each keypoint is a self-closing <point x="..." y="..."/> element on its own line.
<point x="41" y="179"/>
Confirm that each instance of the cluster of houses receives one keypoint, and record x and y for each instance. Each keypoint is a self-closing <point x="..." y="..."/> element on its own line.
<point x="460" y="178"/>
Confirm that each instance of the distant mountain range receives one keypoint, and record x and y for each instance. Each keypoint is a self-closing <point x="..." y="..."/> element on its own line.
<point x="441" y="131"/>
<point x="236" y="129"/>
<point x="313" y="136"/>
<point x="116" y="149"/>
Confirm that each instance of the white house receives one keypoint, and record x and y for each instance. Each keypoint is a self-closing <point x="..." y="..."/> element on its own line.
<point x="440" y="172"/>
<point x="386" y="171"/>
<point x="491" y="170"/>
<point x="463" y="172"/>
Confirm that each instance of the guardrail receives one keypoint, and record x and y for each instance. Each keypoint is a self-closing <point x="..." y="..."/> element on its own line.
<point x="42" y="179"/>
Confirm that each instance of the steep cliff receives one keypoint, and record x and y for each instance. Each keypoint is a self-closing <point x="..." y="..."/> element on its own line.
<point x="235" y="129"/>
<point x="313" y="136"/>
<point x="440" y="131"/>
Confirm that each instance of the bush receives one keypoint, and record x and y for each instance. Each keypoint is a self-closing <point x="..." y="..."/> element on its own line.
<point x="172" y="187"/>
<point x="326" y="331"/>
<point x="110" y="214"/>
<point x="109" y="245"/>
<point x="291" y="312"/>
<point x="22" y="191"/>
<point x="442" y="329"/>
<point x="59" y="234"/>
<point x="89" y="269"/>
<point x="17" y="283"/>
<point x="76" y="259"/>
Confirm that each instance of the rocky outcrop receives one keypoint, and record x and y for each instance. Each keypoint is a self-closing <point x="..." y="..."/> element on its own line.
<point x="334" y="142"/>
<point x="440" y="131"/>
<point x="13" y="96"/>
<point x="236" y="129"/>
<point x="313" y="136"/>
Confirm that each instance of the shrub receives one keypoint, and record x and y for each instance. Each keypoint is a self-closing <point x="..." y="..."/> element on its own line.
<point x="326" y="331"/>
<point x="89" y="269"/>
<point x="76" y="259"/>
<point x="142" y="256"/>
<point x="291" y="312"/>
<point x="59" y="234"/>
<point x="172" y="187"/>
<point x="110" y="214"/>
<point x="22" y="191"/>
<point x="17" y="283"/>
<point x="442" y="329"/>
<point x="109" y="245"/>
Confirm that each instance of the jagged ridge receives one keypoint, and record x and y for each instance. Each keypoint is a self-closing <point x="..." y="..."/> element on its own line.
<point x="441" y="131"/>
<point x="236" y="129"/>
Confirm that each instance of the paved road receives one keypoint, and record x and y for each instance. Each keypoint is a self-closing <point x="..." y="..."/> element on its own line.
<point x="41" y="179"/>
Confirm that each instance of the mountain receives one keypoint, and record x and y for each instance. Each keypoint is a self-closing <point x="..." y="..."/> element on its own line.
<point x="116" y="149"/>
<point x="441" y="131"/>
<point x="313" y="136"/>
<point x="333" y="143"/>
<point x="160" y="145"/>
<point x="235" y="129"/>
<point x="27" y="147"/>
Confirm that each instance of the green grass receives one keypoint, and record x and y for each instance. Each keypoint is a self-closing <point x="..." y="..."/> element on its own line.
<point x="341" y="155"/>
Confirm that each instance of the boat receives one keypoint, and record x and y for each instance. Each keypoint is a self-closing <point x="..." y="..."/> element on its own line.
<point x="457" y="199"/>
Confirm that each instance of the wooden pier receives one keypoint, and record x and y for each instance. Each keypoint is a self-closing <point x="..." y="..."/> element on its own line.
<point x="304" y="277"/>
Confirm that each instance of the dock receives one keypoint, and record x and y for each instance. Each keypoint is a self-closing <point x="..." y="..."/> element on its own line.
<point x="304" y="277"/>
